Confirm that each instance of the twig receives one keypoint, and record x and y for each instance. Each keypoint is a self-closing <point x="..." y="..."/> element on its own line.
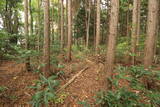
<point x="71" y="80"/>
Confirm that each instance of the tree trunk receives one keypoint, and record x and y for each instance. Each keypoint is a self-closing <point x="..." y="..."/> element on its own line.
<point x="69" y="31"/>
<point x="151" y="32"/>
<point x="39" y="25"/>
<point x="135" y="28"/>
<point x="98" y="26"/>
<point x="113" y="29"/>
<point x="26" y="33"/>
<point x="62" y="25"/>
<point x="31" y="17"/>
<point x="88" y="24"/>
<point x="66" y="30"/>
<point x="46" y="53"/>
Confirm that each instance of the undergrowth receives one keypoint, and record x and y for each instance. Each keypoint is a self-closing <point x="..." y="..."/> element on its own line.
<point x="132" y="87"/>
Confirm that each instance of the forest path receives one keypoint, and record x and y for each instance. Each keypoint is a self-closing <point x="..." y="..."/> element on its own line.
<point x="15" y="81"/>
<point x="85" y="86"/>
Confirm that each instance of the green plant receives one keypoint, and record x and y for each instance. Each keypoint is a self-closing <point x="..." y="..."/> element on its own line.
<point x="46" y="91"/>
<point x="84" y="103"/>
<point x="119" y="98"/>
<point x="3" y="88"/>
<point x="143" y="84"/>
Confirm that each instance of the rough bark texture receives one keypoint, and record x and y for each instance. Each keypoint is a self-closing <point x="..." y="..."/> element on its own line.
<point x="88" y="23"/>
<point x="69" y="45"/>
<point x="151" y="32"/>
<point x="26" y="32"/>
<point x="31" y="17"/>
<point x="66" y="29"/>
<point x="135" y="27"/>
<point x="98" y="26"/>
<point x="113" y="29"/>
<point x="39" y="25"/>
<point x="62" y="25"/>
<point x="46" y="37"/>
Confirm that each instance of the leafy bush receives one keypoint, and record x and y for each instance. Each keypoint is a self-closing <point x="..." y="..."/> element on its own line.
<point x="46" y="91"/>
<point x="119" y="98"/>
<point x="143" y="89"/>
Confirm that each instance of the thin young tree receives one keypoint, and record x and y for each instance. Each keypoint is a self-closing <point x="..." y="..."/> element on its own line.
<point x="39" y="23"/>
<point x="46" y="58"/>
<point x="153" y="7"/>
<point x="66" y="23"/>
<point x="98" y="26"/>
<point x="135" y="28"/>
<point x="69" y="45"/>
<point x="62" y="25"/>
<point x="31" y="17"/>
<point x="26" y="33"/>
<point x="113" y="29"/>
<point x="88" y="14"/>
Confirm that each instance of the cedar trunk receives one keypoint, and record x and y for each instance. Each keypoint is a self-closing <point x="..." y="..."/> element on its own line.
<point x="46" y="54"/>
<point x="98" y="26"/>
<point x="26" y="33"/>
<point x="151" y="32"/>
<point x="62" y="25"/>
<point x="69" y="45"/>
<point x="113" y="29"/>
<point x="135" y="28"/>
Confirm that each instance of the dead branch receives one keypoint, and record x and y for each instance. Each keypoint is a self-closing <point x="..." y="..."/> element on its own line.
<point x="72" y="79"/>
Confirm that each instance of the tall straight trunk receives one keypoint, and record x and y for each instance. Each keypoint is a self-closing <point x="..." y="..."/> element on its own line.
<point x="46" y="47"/>
<point x="66" y="24"/>
<point x="94" y="23"/>
<point x="138" y="21"/>
<point x="39" y="25"/>
<point x="153" y="6"/>
<point x="113" y="29"/>
<point x="31" y="17"/>
<point x="59" y="20"/>
<point x="69" y="45"/>
<point x="88" y="24"/>
<point x="62" y="25"/>
<point x="26" y="33"/>
<point x="135" y="28"/>
<point x="98" y="26"/>
<point x="52" y="25"/>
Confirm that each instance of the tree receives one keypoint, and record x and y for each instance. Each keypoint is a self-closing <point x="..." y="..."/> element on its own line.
<point x="62" y="25"/>
<point x="135" y="27"/>
<point x="31" y="17"/>
<point x="88" y="15"/>
<point x="152" y="25"/>
<point x="98" y="26"/>
<point x="113" y="29"/>
<point x="69" y="31"/>
<point x="46" y="47"/>
<point x="26" y="32"/>
<point x="39" y="23"/>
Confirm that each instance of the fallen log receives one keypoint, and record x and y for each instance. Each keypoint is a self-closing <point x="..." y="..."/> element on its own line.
<point x="72" y="79"/>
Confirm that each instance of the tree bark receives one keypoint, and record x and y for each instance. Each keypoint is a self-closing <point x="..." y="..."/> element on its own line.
<point x="39" y="25"/>
<point x="98" y="26"/>
<point x="62" y="25"/>
<point x="135" y="28"/>
<point x="113" y="29"/>
<point x="31" y="17"/>
<point x="46" y="53"/>
<point x="26" y="33"/>
<point x="69" y="45"/>
<point x="88" y="24"/>
<point x="153" y="6"/>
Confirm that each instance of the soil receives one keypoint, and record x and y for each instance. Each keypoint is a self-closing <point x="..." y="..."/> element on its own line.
<point x="84" y="88"/>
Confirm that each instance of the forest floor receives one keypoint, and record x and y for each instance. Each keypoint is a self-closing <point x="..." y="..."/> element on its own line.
<point x="16" y="82"/>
